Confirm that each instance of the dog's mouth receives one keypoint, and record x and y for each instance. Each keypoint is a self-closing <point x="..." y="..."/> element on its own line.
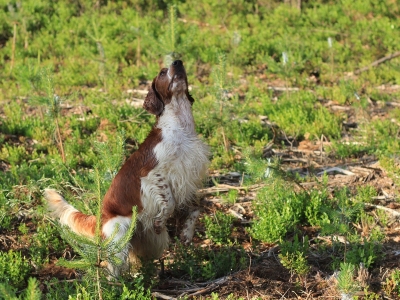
<point x="176" y="72"/>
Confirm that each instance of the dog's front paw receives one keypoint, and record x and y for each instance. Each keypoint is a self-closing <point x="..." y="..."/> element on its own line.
<point x="189" y="227"/>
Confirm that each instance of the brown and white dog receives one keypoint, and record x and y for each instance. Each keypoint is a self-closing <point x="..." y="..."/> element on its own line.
<point x="162" y="176"/>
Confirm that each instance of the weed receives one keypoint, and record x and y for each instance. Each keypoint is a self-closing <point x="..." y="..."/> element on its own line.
<point x="14" y="155"/>
<point x="201" y="263"/>
<point x="395" y="277"/>
<point x="14" y="268"/>
<point x="16" y="122"/>
<point x="278" y="210"/>
<point x="293" y="255"/>
<point x="231" y="197"/>
<point x="345" y="280"/>
<point x="45" y="240"/>
<point x="32" y="292"/>
<point x="365" y="194"/>
<point x="219" y="227"/>
<point x="23" y="228"/>
<point x="391" y="165"/>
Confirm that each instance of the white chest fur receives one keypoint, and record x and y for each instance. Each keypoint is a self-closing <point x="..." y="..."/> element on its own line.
<point x="182" y="162"/>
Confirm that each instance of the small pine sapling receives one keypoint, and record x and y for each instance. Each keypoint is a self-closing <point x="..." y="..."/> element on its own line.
<point x="95" y="253"/>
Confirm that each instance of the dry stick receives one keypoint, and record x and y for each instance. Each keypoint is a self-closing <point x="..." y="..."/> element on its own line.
<point x="225" y="142"/>
<point x="226" y="188"/>
<point x="162" y="296"/>
<point x="378" y="62"/>
<point x="211" y="287"/>
<point x="60" y="144"/>
<point x="393" y="212"/>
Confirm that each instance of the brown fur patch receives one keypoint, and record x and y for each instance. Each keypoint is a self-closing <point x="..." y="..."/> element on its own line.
<point x="124" y="192"/>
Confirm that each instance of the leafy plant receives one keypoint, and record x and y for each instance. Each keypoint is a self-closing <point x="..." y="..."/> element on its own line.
<point x="14" y="268"/>
<point x="345" y="280"/>
<point x="293" y="255"/>
<point x="42" y="242"/>
<point x="32" y="292"/>
<point x="219" y="227"/>
<point x="278" y="209"/>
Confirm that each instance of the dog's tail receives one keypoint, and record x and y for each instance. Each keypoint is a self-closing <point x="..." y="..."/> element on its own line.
<point x="68" y="215"/>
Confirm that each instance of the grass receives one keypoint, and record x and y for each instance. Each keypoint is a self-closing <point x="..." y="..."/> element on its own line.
<point x="270" y="83"/>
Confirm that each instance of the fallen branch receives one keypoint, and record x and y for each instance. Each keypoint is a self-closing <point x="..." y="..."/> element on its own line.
<point x="336" y="169"/>
<point x="393" y="212"/>
<point x="214" y="284"/>
<point x="226" y="188"/>
<point x="202" y="287"/>
<point x="377" y="62"/>
<point x="396" y="104"/>
<point x="162" y="296"/>
<point x="333" y="238"/>
<point x="283" y="89"/>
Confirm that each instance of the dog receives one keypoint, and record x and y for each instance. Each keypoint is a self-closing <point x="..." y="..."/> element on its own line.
<point x="161" y="177"/>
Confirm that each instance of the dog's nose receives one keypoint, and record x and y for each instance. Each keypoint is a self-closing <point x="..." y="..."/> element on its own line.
<point x="177" y="63"/>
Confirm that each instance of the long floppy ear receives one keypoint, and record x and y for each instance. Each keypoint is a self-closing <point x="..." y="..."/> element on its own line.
<point x="152" y="102"/>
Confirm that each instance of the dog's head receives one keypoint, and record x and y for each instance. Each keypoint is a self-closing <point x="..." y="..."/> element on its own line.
<point x="170" y="82"/>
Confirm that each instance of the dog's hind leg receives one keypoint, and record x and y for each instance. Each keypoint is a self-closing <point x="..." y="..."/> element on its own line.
<point x="108" y="230"/>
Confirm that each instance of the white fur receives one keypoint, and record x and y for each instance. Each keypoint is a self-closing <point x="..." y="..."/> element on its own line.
<point x="60" y="208"/>
<point x="189" y="226"/>
<point x="108" y="230"/>
<point x="182" y="164"/>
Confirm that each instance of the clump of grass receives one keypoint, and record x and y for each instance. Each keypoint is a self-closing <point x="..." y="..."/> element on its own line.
<point x="300" y="114"/>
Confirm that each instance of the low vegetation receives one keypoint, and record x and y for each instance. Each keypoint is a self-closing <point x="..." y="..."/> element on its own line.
<point x="300" y="106"/>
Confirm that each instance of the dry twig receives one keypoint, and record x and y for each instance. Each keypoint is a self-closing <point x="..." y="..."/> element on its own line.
<point x="378" y="62"/>
<point x="162" y="296"/>
<point x="393" y="212"/>
<point x="225" y="188"/>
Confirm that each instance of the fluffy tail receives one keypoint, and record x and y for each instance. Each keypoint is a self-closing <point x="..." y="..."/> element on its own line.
<point x="69" y="215"/>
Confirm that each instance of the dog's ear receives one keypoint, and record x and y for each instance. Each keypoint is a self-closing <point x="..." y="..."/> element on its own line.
<point x="153" y="103"/>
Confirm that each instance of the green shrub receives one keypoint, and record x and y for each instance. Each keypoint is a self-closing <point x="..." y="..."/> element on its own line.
<point x="346" y="279"/>
<point x="278" y="209"/>
<point x="293" y="255"/>
<point x="14" y="268"/>
<point x="219" y="227"/>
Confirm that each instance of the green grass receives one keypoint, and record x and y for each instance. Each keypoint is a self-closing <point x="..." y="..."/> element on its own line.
<point x="68" y="69"/>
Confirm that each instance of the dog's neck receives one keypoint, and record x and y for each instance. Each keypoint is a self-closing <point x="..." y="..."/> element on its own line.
<point x="177" y="116"/>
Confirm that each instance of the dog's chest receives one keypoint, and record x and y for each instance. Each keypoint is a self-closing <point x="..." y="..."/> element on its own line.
<point x="182" y="158"/>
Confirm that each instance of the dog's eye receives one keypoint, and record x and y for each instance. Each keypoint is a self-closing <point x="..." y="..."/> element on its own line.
<point x="162" y="73"/>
